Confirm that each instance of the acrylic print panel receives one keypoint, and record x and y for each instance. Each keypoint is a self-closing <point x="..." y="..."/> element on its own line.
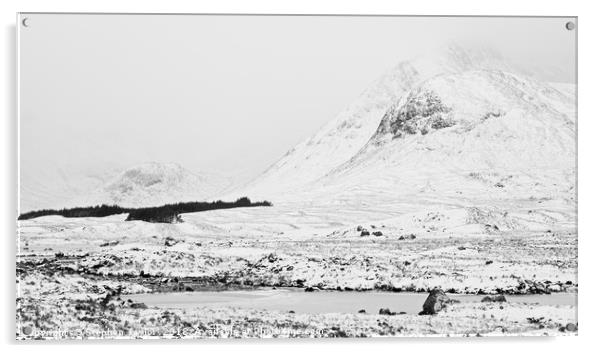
<point x="196" y="176"/>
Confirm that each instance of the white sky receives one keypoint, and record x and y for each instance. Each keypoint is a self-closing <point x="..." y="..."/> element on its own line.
<point x="228" y="94"/>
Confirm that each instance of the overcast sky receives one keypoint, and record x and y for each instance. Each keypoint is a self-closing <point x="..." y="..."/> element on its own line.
<point x="228" y="94"/>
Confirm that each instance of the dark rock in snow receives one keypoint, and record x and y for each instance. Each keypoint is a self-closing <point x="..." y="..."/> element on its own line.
<point x="571" y="327"/>
<point x="377" y="233"/>
<point x="364" y="233"/>
<point x="385" y="311"/>
<point x="272" y="257"/>
<point x="488" y="262"/>
<point x="435" y="302"/>
<point x="494" y="299"/>
<point x="170" y="241"/>
<point x="138" y="306"/>
<point x="362" y="311"/>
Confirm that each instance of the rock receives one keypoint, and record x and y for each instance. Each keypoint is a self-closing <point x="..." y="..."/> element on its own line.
<point x="310" y="289"/>
<point x="272" y="257"/>
<point x="359" y="228"/>
<point x="555" y="288"/>
<point x="378" y="233"/>
<point x="488" y="262"/>
<point x="364" y="233"/>
<point x="385" y="311"/>
<point x="571" y="327"/>
<point x="110" y="243"/>
<point x="435" y="302"/>
<point x="170" y="241"/>
<point x="138" y="306"/>
<point x="291" y="312"/>
<point x="494" y="299"/>
<point x="362" y="311"/>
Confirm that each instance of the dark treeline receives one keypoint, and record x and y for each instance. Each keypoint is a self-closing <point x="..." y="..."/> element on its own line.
<point x="167" y="213"/>
<point x="94" y="211"/>
<point x="170" y="213"/>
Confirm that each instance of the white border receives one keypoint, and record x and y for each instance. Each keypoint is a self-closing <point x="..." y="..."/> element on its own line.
<point x="590" y="127"/>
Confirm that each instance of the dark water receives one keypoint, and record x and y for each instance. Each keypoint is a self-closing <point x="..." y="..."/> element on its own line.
<point x="323" y="301"/>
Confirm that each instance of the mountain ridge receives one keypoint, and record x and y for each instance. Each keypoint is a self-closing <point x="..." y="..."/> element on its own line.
<point x="311" y="162"/>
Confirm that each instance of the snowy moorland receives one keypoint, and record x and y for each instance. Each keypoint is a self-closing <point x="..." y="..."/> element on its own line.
<point x="456" y="173"/>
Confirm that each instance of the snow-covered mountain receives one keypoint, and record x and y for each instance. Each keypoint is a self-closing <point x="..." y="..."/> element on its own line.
<point x="153" y="184"/>
<point x="53" y="186"/>
<point x="438" y="123"/>
<point x="478" y="133"/>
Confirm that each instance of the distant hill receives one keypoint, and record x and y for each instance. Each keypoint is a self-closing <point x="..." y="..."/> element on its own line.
<point x="153" y="184"/>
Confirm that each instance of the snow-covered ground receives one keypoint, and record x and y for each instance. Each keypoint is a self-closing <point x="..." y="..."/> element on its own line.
<point x="525" y="250"/>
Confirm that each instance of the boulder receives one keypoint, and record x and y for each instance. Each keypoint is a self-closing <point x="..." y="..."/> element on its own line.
<point x="494" y="299"/>
<point x="435" y="302"/>
<point x="378" y="233"/>
<point x="364" y="233"/>
<point x="385" y="311"/>
<point x="138" y="306"/>
<point x="170" y="241"/>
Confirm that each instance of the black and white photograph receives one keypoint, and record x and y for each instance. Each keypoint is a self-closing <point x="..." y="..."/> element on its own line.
<point x="220" y="176"/>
